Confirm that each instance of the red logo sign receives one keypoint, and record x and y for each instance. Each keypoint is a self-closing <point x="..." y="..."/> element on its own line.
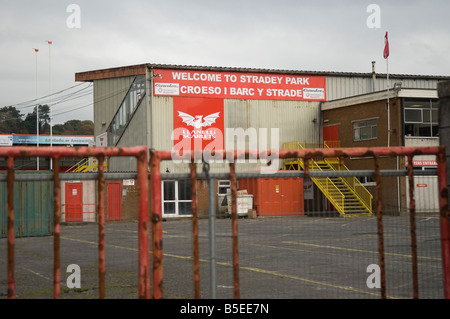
<point x="198" y="124"/>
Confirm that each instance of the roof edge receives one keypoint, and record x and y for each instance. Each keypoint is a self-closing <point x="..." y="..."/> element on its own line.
<point x="117" y="72"/>
<point x="378" y="96"/>
<point x="140" y="69"/>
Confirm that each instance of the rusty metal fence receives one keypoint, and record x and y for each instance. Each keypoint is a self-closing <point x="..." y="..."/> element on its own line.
<point x="56" y="153"/>
<point x="307" y="154"/>
<point x="249" y="243"/>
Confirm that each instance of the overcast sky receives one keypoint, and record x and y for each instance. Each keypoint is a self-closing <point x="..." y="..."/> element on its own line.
<point x="322" y="35"/>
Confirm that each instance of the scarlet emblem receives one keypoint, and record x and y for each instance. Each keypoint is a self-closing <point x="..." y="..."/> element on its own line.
<point x="198" y="121"/>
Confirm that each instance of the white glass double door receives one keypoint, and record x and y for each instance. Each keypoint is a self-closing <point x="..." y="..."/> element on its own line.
<point x="176" y="198"/>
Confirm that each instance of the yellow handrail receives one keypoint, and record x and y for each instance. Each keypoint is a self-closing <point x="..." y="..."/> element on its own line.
<point x="352" y="183"/>
<point x="360" y="191"/>
<point x="83" y="166"/>
<point x="77" y="166"/>
<point x="329" y="189"/>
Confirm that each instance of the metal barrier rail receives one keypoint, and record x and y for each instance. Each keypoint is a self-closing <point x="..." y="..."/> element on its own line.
<point x="157" y="156"/>
<point x="140" y="153"/>
<point x="156" y="207"/>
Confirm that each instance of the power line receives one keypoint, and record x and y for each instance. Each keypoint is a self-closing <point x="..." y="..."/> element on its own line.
<point x="66" y="98"/>
<point x="43" y="97"/>
<point x="73" y="95"/>
<point x="97" y="99"/>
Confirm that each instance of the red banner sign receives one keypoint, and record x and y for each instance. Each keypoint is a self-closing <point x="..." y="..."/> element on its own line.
<point x="238" y="85"/>
<point x="198" y="123"/>
<point x="422" y="163"/>
<point x="425" y="163"/>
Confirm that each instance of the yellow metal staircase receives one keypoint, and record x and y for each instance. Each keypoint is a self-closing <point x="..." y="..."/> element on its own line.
<point x="346" y="193"/>
<point x="86" y="165"/>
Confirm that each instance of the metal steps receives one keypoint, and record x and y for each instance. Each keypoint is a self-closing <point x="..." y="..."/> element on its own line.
<point x="341" y="192"/>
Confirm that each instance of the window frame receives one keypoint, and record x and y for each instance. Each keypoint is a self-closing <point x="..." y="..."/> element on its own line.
<point x="176" y="201"/>
<point x="223" y="184"/>
<point x="424" y="105"/>
<point x="372" y="135"/>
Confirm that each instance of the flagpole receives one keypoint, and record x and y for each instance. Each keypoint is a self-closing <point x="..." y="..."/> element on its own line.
<point x="386" y="56"/>
<point x="388" y="107"/>
<point x="50" y="93"/>
<point x="37" y="110"/>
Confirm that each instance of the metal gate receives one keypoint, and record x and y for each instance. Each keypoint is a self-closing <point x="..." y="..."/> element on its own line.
<point x="306" y="155"/>
<point x="56" y="153"/>
<point x="156" y="218"/>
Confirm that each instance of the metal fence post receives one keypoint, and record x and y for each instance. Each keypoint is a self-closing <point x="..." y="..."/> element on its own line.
<point x="444" y="121"/>
<point x="196" y="252"/>
<point x="56" y="229"/>
<point x="157" y="254"/>
<point x="101" y="227"/>
<point x="380" y="229"/>
<point x="143" y="231"/>
<point x="412" y="220"/>
<point x="444" y="162"/>
<point x="444" y="220"/>
<point x="234" y="225"/>
<point x="212" y="230"/>
<point x="11" y="228"/>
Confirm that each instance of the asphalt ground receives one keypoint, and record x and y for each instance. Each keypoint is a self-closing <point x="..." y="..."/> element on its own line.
<point x="294" y="257"/>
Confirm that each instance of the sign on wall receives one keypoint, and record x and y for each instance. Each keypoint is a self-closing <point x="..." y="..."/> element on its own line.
<point x="6" y="140"/>
<point x="198" y="122"/>
<point x="56" y="139"/>
<point x="238" y="85"/>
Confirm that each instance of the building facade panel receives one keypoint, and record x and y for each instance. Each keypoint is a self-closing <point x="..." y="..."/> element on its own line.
<point x="135" y="134"/>
<point x="339" y="87"/>
<point x="108" y="95"/>
<point x="265" y="123"/>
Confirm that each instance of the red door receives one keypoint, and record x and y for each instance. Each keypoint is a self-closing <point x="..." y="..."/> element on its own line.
<point x="331" y="135"/>
<point x="114" y="201"/>
<point x="74" y="202"/>
<point x="291" y="195"/>
<point x="277" y="196"/>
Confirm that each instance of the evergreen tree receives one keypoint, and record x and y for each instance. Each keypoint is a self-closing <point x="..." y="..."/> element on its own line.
<point x="44" y="120"/>
<point x="11" y="121"/>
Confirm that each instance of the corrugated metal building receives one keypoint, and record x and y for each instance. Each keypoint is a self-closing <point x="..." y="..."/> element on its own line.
<point x="33" y="206"/>
<point x="143" y="104"/>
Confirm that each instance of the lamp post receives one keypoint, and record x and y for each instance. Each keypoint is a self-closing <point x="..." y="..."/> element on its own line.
<point x="37" y="111"/>
<point x="50" y="94"/>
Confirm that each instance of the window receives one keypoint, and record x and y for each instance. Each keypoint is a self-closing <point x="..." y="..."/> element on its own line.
<point x="176" y="198"/>
<point x="421" y="117"/>
<point x="224" y="187"/>
<point x="367" y="180"/>
<point x="365" y="130"/>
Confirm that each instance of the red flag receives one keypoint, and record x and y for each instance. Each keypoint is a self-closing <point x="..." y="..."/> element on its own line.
<point x="386" y="46"/>
<point x="49" y="42"/>
<point x="36" y="50"/>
